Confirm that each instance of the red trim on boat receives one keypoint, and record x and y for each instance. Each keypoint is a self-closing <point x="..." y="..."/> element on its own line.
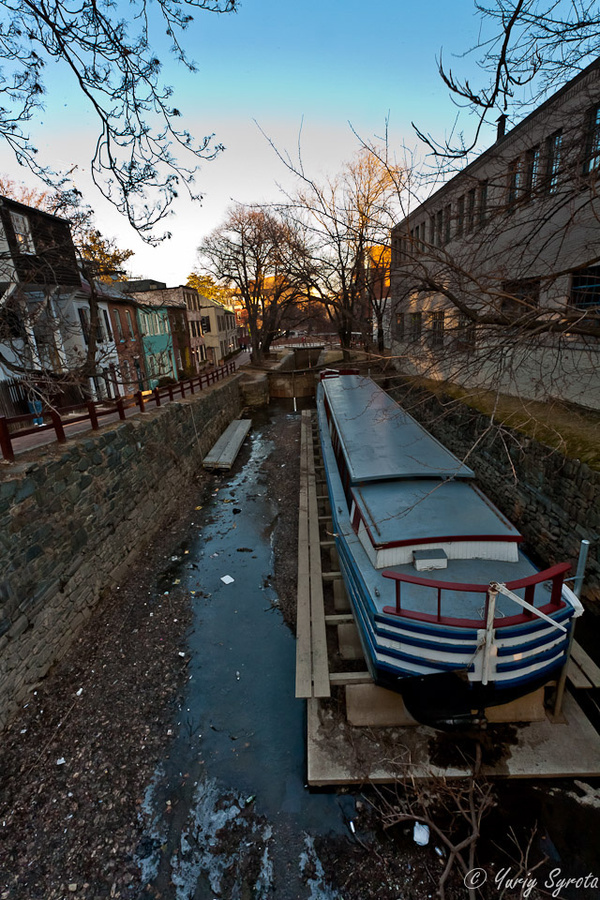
<point x="555" y="574"/>
<point x="505" y="622"/>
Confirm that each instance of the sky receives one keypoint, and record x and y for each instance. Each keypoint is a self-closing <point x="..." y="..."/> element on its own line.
<point x="319" y="67"/>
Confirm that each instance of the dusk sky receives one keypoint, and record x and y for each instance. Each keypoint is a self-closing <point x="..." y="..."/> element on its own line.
<point x="321" y="62"/>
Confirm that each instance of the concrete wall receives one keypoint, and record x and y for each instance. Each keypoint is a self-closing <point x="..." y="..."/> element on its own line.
<point x="293" y="384"/>
<point x="74" y="519"/>
<point x="554" y="501"/>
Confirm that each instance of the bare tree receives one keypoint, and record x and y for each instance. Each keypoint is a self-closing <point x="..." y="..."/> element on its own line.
<point x="452" y="811"/>
<point x="526" y="49"/>
<point x="258" y="254"/>
<point x="139" y="158"/>
<point x="347" y="219"/>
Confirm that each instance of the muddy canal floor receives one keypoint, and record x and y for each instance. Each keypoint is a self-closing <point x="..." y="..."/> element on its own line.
<point x="164" y="757"/>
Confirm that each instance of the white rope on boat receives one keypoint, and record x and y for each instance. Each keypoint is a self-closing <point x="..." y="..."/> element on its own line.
<point x="502" y="589"/>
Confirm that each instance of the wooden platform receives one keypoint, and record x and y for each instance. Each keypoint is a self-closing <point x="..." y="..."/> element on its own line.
<point x="582" y="672"/>
<point x="224" y="453"/>
<point x="385" y="744"/>
<point x="339" y="753"/>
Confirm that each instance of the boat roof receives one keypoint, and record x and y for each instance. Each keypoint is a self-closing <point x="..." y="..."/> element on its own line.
<point x="411" y="510"/>
<point x="381" y="441"/>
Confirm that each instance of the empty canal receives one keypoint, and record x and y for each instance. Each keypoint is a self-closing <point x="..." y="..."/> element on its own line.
<point x="168" y="763"/>
<point x="240" y="823"/>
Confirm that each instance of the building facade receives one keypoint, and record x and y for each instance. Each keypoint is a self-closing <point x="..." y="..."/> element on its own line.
<point x="220" y="328"/>
<point x="495" y="278"/>
<point x="46" y="315"/>
<point x="157" y="340"/>
<point x="123" y="315"/>
<point x="185" y="321"/>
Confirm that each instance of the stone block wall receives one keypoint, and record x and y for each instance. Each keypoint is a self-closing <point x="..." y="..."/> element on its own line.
<point x="74" y="517"/>
<point x="553" y="500"/>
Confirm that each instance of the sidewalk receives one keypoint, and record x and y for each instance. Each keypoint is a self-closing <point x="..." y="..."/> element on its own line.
<point x="48" y="436"/>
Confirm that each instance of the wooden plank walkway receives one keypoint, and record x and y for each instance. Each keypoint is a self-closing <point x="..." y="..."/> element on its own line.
<point x="582" y="671"/>
<point x="312" y="667"/>
<point x="224" y="453"/>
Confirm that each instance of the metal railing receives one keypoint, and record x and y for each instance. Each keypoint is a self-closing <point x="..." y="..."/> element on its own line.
<point x="94" y="410"/>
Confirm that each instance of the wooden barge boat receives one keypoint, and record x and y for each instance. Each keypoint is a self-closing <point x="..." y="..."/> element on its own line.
<point x="451" y="613"/>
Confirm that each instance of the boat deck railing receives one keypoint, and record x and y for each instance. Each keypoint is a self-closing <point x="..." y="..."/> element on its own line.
<point x="555" y="575"/>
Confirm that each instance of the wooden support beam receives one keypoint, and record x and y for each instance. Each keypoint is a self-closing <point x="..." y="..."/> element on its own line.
<point x="337" y="678"/>
<point x="303" y="635"/>
<point x="320" y="662"/>
<point x="587" y="665"/>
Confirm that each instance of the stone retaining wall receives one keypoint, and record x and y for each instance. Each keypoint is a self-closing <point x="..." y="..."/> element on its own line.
<point x="74" y="519"/>
<point x="554" y="501"/>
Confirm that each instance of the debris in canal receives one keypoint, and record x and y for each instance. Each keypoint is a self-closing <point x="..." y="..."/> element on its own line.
<point x="420" y="834"/>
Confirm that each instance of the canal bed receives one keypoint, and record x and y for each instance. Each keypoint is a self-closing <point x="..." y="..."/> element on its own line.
<point x="228" y="813"/>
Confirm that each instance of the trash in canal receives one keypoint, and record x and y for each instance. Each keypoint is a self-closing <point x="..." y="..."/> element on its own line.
<point x="227" y="579"/>
<point x="421" y="834"/>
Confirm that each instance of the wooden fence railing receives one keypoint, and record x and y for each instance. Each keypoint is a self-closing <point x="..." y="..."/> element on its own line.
<point x="93" y="411"/>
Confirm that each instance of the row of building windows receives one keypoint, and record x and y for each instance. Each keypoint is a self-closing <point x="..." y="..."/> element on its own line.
<point x="470" y="212"/>
<point x="103" y="331"/>
<point x="414" y="326"/>
<point x="153" y="323"/>
<point x="195" y="328"/>
<point x="193" y="300"/>
<point x="519" y="296"/>
<point x="536" y="172"/>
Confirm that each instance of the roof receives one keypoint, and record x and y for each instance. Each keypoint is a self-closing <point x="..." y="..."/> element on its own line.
<point x="411" y="510"/>
<point x="212" y="303"/>
<point x="143" y="284"/>
<point x="107" y="291"/>
<point x="9" y="201"/>
<point x="381" y="441"/>
<point x="159" y="298"/>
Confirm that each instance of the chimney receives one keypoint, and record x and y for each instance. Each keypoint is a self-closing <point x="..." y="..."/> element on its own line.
<point x="501" y="120"/>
